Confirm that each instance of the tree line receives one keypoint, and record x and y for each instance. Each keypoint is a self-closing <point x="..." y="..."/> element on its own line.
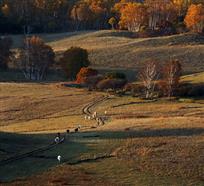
<point x="35" y="58"/>
<point x="67" y="15"/>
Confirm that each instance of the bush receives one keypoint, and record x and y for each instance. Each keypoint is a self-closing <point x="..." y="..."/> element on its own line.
<point x="181" y="28"/>
<point x="189" y="90"/>
<point x="111" y="84"/>
<point x="137" y="89"/>
<point x="115" y="75"/>
<point x="128" y="87"/>
<point x="73" y="60"/>
<point x="165" y="30"/>
<point x="92" y="81"/>
<point x="85" y="73"/>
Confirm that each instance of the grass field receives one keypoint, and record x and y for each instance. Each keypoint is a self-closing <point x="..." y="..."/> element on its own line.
<point x="41" y="107"/>
<point x="158" y="142"/>
<point x="118" y="49"/>
<point x="142" y="143"/>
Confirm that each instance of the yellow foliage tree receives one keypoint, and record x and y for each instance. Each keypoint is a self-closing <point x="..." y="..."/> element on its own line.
<point x="133" y="16"/>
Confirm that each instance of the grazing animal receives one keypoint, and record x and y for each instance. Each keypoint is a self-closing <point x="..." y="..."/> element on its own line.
<point x="59" y="158"/>
<point x="98" y="121"/>
<point x="94" y="115"/>
<point x="76" y="129"/>
<point x="68" y="131"/>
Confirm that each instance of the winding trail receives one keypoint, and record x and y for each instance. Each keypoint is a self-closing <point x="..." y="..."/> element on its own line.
<point x="28" y="154"/>
<point x="85" y="110"/>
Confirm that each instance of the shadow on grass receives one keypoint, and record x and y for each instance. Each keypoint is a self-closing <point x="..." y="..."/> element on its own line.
<point x="176" y="132"/>
<point x="37" y="161"/>
<point x="15" y="75"/>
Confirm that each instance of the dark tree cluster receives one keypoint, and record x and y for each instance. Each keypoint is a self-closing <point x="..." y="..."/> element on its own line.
<point x="73" y="60"/>
<point x="18" y="16"/>
<point x="5" y="52"/>
<point x="53" y="15"/>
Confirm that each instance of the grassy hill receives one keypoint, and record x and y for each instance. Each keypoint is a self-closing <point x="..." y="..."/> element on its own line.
<point x="159" y="142"/>
<point x="136" y="133"/>
<point x="193" y="78"/>
<point x="119" y="49"/>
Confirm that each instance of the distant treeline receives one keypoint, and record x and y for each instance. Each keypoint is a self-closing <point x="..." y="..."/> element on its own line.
<point x="53" y="15"/>
<point x="38" y="16"/>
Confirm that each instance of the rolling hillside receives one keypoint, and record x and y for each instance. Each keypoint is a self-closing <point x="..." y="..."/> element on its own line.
<point x="142" y="142"/>
<point x="119" y="49"/>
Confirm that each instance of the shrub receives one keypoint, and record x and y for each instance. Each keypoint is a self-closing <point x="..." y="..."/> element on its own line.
<point x="111" y="84"/>
<point x="85" y="73"/>
<point x="73" y="60"/>
<point x="137" y="89"/>
<point x="115" y="75"/>
<point x="128" y="87"/>
<point x="181" y="28"/>
<point x="189" y="90"/>
<point x="92" y="81"/>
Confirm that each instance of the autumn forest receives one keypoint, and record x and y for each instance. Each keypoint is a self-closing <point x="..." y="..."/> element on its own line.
<point x="161" y="17"/>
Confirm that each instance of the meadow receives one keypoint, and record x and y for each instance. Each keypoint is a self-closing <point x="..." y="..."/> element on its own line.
<point x="143" y="142"/>
<point x="119" y="49"/>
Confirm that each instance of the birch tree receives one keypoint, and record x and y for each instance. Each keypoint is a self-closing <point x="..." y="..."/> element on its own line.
<point x="149" y="75"/>
<point x="172" y="73"/>
<point x="35" y="58"/>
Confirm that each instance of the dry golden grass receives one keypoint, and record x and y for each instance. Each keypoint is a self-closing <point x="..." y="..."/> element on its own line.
<point x="30" y="107"/>
<point x="176" y="156"/>
<point x="118" y="48"/>
<point x="194" y="78"/>
<point x="159" y="143"/>
<point x="163" y="137"/>
<point x="126" y="112"/>
<point x="63" y="175"/>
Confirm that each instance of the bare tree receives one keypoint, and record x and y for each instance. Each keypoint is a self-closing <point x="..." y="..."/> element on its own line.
<point x="172" y="73"/>
<point x="149" y="75"/>
<point x="35" y="58"/>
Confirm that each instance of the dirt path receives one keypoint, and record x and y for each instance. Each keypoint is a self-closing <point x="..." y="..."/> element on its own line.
<point x="28" y="154"/>
<point x="85" y="110"/>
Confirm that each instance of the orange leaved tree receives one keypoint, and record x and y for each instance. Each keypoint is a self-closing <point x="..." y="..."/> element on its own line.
<point x="85" y="73"/>
<point x="194" y="19"/>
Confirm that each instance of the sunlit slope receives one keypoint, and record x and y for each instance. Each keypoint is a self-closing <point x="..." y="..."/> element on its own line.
<point x="121" y="49"/>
